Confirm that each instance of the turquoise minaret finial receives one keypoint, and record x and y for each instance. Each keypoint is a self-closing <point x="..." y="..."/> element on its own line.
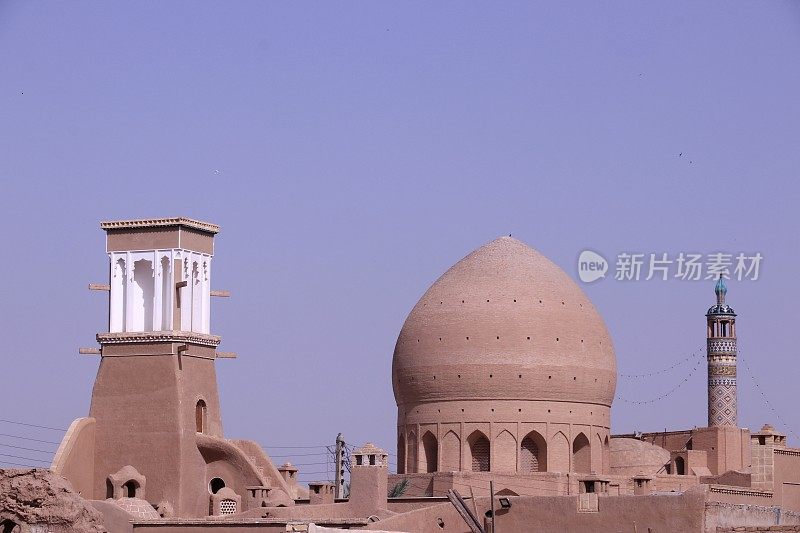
<point x="720" y="289"/>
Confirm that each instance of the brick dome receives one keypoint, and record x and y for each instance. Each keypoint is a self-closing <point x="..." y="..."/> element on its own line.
<point x="504" y="336"/>
<point x="138" y="508"/>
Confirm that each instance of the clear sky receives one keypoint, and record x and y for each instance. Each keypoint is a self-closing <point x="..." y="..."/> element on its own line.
<point x="352" y="152"/>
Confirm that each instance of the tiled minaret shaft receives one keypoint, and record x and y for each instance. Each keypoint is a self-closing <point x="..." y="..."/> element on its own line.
<point x="721" y="345"/>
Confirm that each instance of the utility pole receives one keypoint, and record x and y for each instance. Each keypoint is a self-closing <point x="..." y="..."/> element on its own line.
<point x="494" y="517"/>
<point x="340" y="451"/>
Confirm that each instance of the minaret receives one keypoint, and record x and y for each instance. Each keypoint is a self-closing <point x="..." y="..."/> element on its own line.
<point x="721" y="345"/>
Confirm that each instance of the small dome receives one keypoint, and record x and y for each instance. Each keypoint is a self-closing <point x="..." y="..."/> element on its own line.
<point x="721" y="309"/>
<point x="138" y="508"/>
<point x="505" y="322"/>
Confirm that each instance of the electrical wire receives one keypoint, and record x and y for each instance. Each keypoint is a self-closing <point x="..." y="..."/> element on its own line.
<point x="31" y="425"/>
<point x="697" y="352"/>
<point x="26" y="449"/>
<point x="666" y="394"/>
<point x="28" y="438"/>
<point x="25" y="458"/>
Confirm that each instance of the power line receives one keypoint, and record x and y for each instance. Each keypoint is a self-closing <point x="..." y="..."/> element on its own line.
<point x="18" y="464"/>
<point x="28" y="438"/>
<point x="290" y="455"/>
<point x="25" y="458"/>
<point x="666" y="394"/>
<point x="311" y="464"/>
<point x="764" y="396"/>
<point x="27" y="449"/>
<point x="292" y="447"/>
<point x="695" y="353"/>
<point x="31" y="425"/>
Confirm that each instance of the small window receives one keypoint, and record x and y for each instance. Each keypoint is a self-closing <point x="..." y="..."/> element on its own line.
<point x="216" y="485"/>
<point x="372" y="459"/>
<point x="200" y="416"/>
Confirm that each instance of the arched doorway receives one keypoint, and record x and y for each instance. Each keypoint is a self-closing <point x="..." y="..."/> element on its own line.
<point x="680" y="466"/>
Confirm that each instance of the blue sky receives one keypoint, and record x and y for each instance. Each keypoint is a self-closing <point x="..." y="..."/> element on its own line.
<point x="352" y="152"/>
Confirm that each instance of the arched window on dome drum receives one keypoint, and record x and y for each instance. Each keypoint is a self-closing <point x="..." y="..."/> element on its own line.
<point x="597" y="454"/>
<point x="200" y="416"/>
<point x="533" y="454"/>
<point x="430" y="447"/>
<point x="479" y="451"/>
<point x="401" y="455"/>
<point x="581" y="454"/>
<point x="411" y="454"/>
<point x="451" y="452"/>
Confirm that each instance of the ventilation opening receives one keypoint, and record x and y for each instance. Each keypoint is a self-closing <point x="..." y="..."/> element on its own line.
<point x="129" y="489"/>
<point x="227" y="507"/>
<point x="216" y="485"/>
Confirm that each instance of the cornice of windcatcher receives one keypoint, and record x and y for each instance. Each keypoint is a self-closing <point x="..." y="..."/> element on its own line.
<point x="158" y="336"/>
<point x="159" y="223"/>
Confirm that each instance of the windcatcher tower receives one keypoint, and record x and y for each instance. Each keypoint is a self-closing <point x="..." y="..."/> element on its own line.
<point x="156" y="386"/>
<point x="721" y="346"/>
<point x="154" y="417"/>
